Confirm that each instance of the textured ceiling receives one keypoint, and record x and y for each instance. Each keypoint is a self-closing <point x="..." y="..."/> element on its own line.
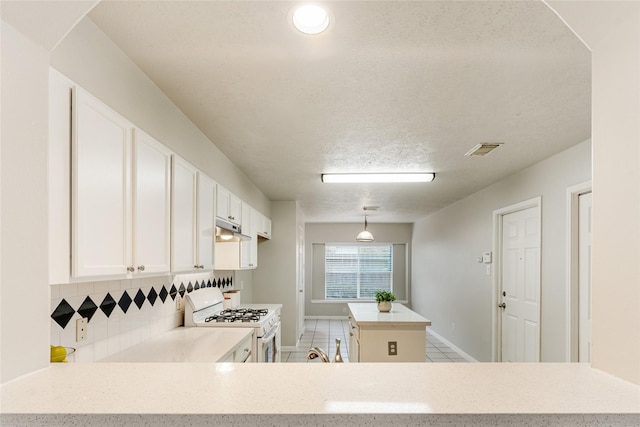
<point x="391" y="86"/>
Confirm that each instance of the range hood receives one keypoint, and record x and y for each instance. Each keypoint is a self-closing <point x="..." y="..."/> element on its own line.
<point x="228" y="232"/>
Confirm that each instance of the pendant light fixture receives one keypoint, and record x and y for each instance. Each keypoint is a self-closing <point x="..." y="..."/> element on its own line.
<point x="364" y="235"/>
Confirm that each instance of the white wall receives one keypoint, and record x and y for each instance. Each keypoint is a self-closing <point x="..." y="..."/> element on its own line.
<point x="346" y="232"/>
<point x="612" y="32"/>
<point x="24" y="313"/>
<point x="449" y="286"/>
<point x="89" y="58"/>
<point x="274" y="281"/>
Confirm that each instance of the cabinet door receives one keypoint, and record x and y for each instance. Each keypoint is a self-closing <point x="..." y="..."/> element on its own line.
<point x="205" y="221"/>
<point x="151" y="175"/>
<point x="256" y="220"/>
<point x="183" y="215"/>
<point x="263" y="226"/>
<point x="222" y="202"/>
<point x="101" y="211"/>
<point x="235" y="209"/>
<point x="245" y="246"/>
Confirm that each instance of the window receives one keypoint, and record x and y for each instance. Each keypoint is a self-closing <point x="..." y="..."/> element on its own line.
<point x="357" y="271"/>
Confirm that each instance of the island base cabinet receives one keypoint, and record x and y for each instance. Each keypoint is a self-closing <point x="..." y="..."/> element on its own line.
<point x="378" y="344"/>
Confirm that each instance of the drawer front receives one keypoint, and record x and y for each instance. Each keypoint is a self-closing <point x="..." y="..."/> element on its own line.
<point x="243" y="351"/>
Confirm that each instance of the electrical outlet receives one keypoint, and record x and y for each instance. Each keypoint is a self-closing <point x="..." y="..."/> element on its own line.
<point x="344" y="310"/>
<point x="393" y="348"/>
<point x="81" y="329"/>
<point x="179" y="303"/>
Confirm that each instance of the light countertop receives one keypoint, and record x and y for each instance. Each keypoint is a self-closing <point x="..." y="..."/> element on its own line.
<point x="358" y="388"/>
<point x="364" y="313"/>
<point x="190" y="345"/>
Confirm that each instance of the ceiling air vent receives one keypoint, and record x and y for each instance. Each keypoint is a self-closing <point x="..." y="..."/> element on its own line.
<point x="483" y="149"/>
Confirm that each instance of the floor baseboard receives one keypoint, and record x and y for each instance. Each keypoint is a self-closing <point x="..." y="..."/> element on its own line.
<point x="453" y="346"/>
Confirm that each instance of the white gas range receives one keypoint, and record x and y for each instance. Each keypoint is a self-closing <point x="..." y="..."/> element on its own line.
<point x="204" y="308"/>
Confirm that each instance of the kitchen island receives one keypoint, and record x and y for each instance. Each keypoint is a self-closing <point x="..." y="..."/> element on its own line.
<point x="169" y="394"/>
<point x="399" y="335"/>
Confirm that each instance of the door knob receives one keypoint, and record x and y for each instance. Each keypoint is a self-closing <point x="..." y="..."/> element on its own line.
<point x="502" y="306"/>
<point x="131" y="269"/>
<point x="141" y="267"/>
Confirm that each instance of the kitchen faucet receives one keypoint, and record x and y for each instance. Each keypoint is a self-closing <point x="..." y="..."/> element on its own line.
<point x="317" y="352"/>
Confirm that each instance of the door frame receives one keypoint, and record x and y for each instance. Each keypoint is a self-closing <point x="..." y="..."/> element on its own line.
<point x="496" y="337"/>
<point x="572" y="276"/>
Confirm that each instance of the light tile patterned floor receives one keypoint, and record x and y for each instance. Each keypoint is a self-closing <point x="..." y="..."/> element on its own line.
<point x="323" y="334"/>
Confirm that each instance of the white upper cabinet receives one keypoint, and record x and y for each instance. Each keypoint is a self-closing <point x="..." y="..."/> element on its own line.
<point x="101" y="208"/>
<point x="206" y="219"/>
<point x="248" y="255"/>
<point x="228" y="206"/>
<point x="193" y="218"/>
<point x="183" y="216"/>
<point x="263" y="226"/>
<point x="151" y="176"/>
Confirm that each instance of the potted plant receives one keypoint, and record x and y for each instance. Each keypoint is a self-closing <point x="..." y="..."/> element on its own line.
<point x="384" y="298"/>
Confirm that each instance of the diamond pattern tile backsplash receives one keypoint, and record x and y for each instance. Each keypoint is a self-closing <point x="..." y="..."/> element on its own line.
<point x="121" y="313"/>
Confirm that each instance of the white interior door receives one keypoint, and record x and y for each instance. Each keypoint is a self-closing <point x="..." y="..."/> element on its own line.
<point x="584" y="277"/>
<point x="520" y="294"/>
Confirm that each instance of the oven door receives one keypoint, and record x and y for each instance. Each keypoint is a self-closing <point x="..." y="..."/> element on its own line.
<point x="269" y="346"/>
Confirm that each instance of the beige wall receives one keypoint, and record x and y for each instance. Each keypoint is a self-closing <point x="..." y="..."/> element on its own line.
<point x="449" y="286"/>
<point x="612" y="32"/>
<point x="340" y="233"/>
<point x="274" y="281"/>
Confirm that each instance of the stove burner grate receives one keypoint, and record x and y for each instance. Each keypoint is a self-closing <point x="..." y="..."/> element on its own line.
<point x="230" y="315"/>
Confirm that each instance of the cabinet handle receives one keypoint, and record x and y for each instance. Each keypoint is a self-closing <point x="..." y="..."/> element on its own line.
<point x="131" y="269"/>
<point x="201" y="266"/>
<point x="141" y="267"/>
<point x="196" y="266"/>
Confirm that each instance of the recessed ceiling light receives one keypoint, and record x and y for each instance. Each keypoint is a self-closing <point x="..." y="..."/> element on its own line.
<point x="311" y="19"/>
<point x="376" y="177"/>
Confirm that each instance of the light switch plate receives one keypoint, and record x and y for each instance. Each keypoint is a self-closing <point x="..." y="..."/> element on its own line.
<point x="487" y="258"/>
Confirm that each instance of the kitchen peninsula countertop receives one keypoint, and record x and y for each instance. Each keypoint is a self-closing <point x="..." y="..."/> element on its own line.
<point x="312" y="394"/>
<point x="186" y="345"/>
<point x="364" y="313"/>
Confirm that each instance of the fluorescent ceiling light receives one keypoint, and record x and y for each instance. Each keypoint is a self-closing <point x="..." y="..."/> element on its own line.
<point x="311" y="19"/>
<point x="376" y="177"/>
